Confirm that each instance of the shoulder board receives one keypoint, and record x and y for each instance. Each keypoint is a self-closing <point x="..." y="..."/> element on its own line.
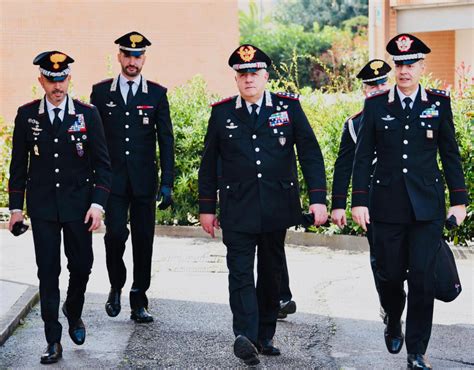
<point x="29" y="103"/>
<point x="376" y="93"/>
<point x="155" y="83"/>
<point x="438" y="92"/>
<point x="83" y="104"/>
<point x="288" y="95"/>
<point x="354" y="116"/>
<point x="104" y="81"/>
<point x="222" y="101"/>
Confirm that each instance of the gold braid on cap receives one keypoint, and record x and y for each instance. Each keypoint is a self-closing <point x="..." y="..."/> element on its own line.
<point x="56" y="59"/>
<point x="135" y="38"/>
<point x="376" y="65"/>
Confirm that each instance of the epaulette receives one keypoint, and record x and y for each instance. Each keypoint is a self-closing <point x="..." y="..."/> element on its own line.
<point x="376" y="93"/>
<point x="438" y="92"/>
<point x="103" y="81"/>
<point x="288" y="95"/>
<point x="155" y="83"/>
<point x="354" y="115"/>
<point x="83" y="104"/>
<point x="29" y="103"/>
<point x="223" y="101"/>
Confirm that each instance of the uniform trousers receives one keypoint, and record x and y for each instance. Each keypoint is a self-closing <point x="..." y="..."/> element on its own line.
<point x="142" y="224"/>
<point x="78" y="250"/>
<point x="398" y="248"/>
<point x="255" y="307"/>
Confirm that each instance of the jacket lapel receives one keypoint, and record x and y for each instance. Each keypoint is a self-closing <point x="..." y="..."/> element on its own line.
<point x="241" y="111"/>
<point x="43" y="117"/>
<point x="420" y="104"/>
<point x="266" y="110"/>
<point x="394" y="107"/>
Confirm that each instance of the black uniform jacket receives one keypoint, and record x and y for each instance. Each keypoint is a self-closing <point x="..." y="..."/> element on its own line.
<point x="62" y="172"/>
<point x="259" y="191"/>
<point x="344" y="161"/>
<point x="407" y="180"/>
<point x="132" y="131"/>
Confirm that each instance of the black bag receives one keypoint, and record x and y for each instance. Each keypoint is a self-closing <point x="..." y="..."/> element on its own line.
<point x="447" y="283"/>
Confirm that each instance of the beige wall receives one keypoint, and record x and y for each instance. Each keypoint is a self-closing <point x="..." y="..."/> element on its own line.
<point x="189" y="37"/>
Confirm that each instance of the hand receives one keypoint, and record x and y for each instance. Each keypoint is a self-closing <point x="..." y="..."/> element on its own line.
<point x="338" y="216"/>
<point x="14" y="218"/>
<point x="459" y="212"/>
<point x="94" y="214"/>
<point x="361" y="216"/>
<point x="320" y="213"/>
<point x="166" y="197"/>
<point x="209" y="222"/>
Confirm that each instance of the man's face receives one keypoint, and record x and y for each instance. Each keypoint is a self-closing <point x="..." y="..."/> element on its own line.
<point x="408" y="75"/>
<point x="131" y="66"/>
<point x="251" y="85"/>
<point x="371" y="88"/>
<point x="55" y="90"/>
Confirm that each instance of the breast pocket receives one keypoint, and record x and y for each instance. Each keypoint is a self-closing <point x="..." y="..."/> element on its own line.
<point x="429" y="130"/>
<point x="281" y="137"/>
<point x="387" y="132"/>
<point x="231" y="141"/>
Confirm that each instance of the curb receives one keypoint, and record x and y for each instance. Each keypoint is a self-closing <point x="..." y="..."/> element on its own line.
<point x="17" y="312"/>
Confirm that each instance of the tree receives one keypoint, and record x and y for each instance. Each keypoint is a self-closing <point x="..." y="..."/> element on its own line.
<point x="324" y="12"/>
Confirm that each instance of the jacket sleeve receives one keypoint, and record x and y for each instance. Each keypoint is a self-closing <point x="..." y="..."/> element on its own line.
<point x="451" y="159"/>
<point x="343" y="169"/>
<point x="100" y="159"/>
<point x="364" y="155"/>
<point x="208" y="169"/>
<point x="309" y="156"/>
<point x="18" y="165"/>
<point x="164" y="129"/>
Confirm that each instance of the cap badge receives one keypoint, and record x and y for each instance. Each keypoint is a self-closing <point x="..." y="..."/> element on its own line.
<point x="56" y="59"/>
<point x="135" y="38"/>
<point x="246" y="53"/>
<point x="376" y="65"/>
<point x="404" y="43"/>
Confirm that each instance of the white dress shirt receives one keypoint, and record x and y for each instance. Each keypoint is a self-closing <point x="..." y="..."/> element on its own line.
<point x="124" y="86"/>
<point x="403" y="96"/>
<point x="50" y="108"/>
<point x="259" y="103"/>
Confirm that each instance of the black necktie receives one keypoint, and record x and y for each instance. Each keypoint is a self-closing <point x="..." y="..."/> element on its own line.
<point x="56" y="120"/>
<point x="407" y="108"/>
<point x="254" y="114"/>
<point x="130" y="92"/>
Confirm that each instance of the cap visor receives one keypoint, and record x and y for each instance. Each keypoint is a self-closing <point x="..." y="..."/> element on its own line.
<point x="56" y="79"/>
<point x="132" y="53"/>
<point x="409" y="61"/>
<point x="248" y="70"/>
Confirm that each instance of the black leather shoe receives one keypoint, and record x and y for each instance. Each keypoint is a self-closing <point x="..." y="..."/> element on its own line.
<point x="265" y="347"/>
<point x="52" y="353"/>
<point x="77" y="330"/>
<point x="394" y="337"/>
<point x="417" y="361"/>
<point x="141" y="315"/>
<point x="286" y="308"/>
<point x="246" y="351"/>
<point x="112" y="306"/>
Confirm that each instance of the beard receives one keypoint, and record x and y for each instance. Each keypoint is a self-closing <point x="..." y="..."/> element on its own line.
<point x="131" y="71"/>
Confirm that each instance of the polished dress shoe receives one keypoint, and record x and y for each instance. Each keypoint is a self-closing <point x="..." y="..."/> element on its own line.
<point x="394" y="337"/>
<point x="77" y="330"/>
<point x="141" y="315"/>
<point x="112" y="306"/>
<point x="286" y="308"/>
<point x="52" y="353"/>
<point x="246" y="351"/>
<point x="417" y="361"/>
<point x="265" y="347"/>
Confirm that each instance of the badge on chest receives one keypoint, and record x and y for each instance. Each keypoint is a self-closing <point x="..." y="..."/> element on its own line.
<point x="279" y="119"/>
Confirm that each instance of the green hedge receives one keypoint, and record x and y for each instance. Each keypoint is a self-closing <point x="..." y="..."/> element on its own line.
<point x="327" y="112"/>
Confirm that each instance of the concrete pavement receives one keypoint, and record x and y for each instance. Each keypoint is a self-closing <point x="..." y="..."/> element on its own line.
<point x="336" y="325"/>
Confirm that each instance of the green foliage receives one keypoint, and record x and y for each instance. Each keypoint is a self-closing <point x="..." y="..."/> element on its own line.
<point x="6" y="132"/>
<point x="189" y="106"/>
<point x="324" y="12"/>
<point x="251" y="21"/>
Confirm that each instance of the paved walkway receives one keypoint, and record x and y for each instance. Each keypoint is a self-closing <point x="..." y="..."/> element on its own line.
<point x="336" y="325"/>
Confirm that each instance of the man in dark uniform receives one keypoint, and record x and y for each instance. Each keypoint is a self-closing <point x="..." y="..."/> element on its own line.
<point x="254" y="134"/>
<point x="407" y="126"/>
<point x="60" y="159"/>
<point x="135" y="114"/>
<point x="374" y="76"/>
